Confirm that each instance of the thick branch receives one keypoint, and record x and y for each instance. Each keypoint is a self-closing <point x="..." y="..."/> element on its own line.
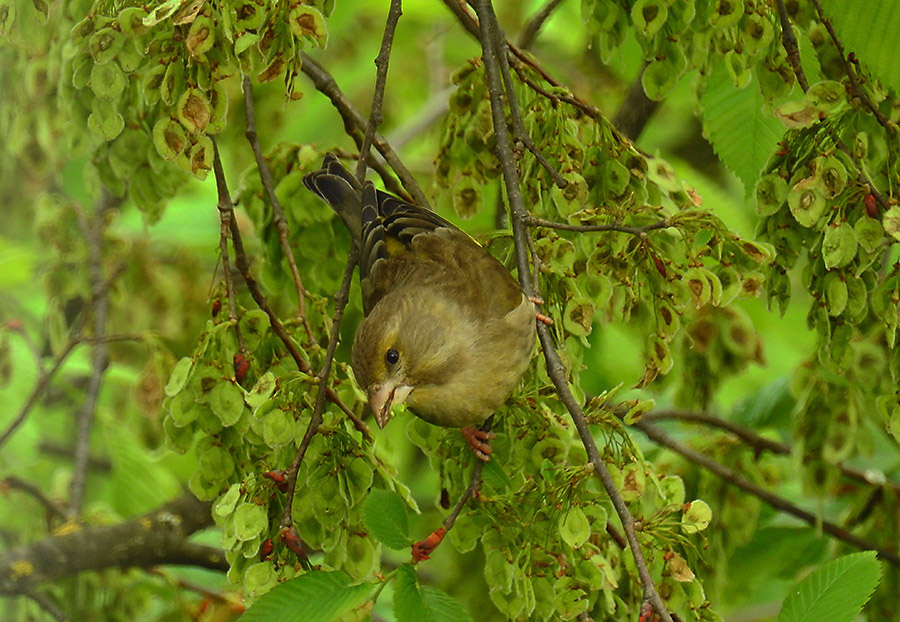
<point x="635" y="111"/>
<point x="493" y="45"/>
<point x="159" y="537"/>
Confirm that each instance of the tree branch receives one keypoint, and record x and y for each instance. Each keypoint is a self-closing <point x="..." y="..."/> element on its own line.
<point x="779" y="503"/>
<point x="158" y="537"/>
<point x="381" y="64"/>
<point x="536" y="221"/>
<point x="493" y="45"/>
<point x="355" y="122"/>
<point x="92" y="229"/>
<point x="635" y="111"/>
<point x="243" y="266"/>
<point x="530" y="32"/>
<point x="265" y="176"/>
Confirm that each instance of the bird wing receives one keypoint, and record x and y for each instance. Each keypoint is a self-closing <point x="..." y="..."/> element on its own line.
<point x="402" y="244"/>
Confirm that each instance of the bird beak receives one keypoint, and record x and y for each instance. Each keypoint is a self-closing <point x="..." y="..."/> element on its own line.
<point x="383" y="396"/>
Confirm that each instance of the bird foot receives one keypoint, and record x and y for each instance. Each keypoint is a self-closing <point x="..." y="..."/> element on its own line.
<point x="479" y="442"/>
<point x="423" y="550"/>
<point x="540" y="317"/>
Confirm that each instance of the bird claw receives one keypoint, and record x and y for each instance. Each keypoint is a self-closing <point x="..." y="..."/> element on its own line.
<point x="540" y="317"/>
<point x="479" y="442"/>
<point x="536" y="300"/>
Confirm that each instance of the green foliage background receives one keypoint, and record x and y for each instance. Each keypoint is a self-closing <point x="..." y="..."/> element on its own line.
<point x="769" y="298"/>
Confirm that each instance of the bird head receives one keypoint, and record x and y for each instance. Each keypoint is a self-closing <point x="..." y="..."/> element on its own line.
<point x="402" y="344"/>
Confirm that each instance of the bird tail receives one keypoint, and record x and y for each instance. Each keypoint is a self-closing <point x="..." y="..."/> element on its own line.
<point x="337" y="187"/>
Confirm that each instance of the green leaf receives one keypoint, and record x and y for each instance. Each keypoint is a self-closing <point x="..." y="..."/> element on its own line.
<point x="250" y="520"/>
<point x="835" y="592"/>
<point x="226" y="400"/>
<point x="317" y="596"/>
<point x="869" y="29"/>
<point x="740" y="132"/>
<point x="384" y="515"/>
<point x="414" y="603"/>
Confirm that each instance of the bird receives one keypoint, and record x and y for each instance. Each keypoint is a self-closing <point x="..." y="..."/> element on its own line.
<point x="446" y="329"/>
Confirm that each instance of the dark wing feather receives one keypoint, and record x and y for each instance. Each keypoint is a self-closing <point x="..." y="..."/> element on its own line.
<point x="402" y="243"/>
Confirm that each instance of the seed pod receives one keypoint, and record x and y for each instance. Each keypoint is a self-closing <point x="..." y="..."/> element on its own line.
<point x="869" y="233"/>
<point x="806" y="203"/>
<point x="771" y="192"/>
<point x="832" y="174"/>
<point x="826" y="96"/>
<point x="306" y="22"/>
<point x="836" y="293"/>
<point x="757" y="33"/>
<point x="105" y="44"/>
<point x="649" y="16"/>
<point x="839" y="246"/>
<point x="108" y="81"/>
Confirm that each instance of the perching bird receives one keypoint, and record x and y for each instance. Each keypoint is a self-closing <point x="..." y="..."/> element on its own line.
<point x="446" y="330"/>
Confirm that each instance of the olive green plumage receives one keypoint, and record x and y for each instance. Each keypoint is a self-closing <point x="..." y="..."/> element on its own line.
<point x="446" y="330"/>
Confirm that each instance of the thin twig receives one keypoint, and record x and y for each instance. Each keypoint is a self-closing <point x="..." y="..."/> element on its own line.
<point x="225" y="216"/>
<point x="53" y="508"/>
<point x="381" y="64"/>
<point x="38" y="390"/>
<point x="779" y="503"/>
<point x="756" y="442"/>
<point x="521" y="134"/>
<point x="789" y="41"/>
<point x="530" y="32"/>
<point x="353" y="119"/>
<point x="243" y="266"/>
<point x="536" y="221"/>
<point x="493" y="46"/>
<point x="471" y="489"/>
<point x="340" y="303"/>
<point x="787" y="35"/>
<point x="92" y="229"/>
<point x="265" y="176"/>
<point x="855" y="86"/>
<point x="43" y="601"/>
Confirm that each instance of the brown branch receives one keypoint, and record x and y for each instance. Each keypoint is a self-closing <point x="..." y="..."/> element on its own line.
<point x="93" y="234"/>
<point x="472" y="488"/>
<point x="787" y="35"/>
<point x="38" y="390"/>
<point x="353" y="119"/>
<point x="52" y="449"/>
<point x="52" y="507"/>
<point x="855" y="86"/>
<point x="789" y="42"/>
<point x="536" y="221"/>
<point x="340" y="303"/>
<point x="243" y="266"/>
<point x="44" y="602"/>
<point x="521" y="134"/>
<point x="493" y="46"/>
<point x="777" y="502"/>
<point x="225" y="216"/>
<point x="159" y="537"/>
<point x="265" y="176"/>
<point x="381" y="64"/>
<point x="530" y="32"/>
<point x="758" y="443"/>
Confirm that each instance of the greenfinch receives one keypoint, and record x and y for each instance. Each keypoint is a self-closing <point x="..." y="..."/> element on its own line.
<point x="447" y="330"/>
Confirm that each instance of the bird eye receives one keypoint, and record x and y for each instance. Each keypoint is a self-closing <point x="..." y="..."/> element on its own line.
<point x="392" y="356"/>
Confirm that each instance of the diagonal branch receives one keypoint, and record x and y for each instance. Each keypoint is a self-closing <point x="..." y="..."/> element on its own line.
<point x="356" y="123"/>
<point x="381" y="63"/>
<point x="493" y="45"/>
<point x="340" y="303"/>
<point x="243" y="266"/>
<point x="265" y="176"/>
<point x="779" y="503"/>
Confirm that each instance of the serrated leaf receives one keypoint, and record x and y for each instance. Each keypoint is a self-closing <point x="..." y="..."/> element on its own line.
<point x="317" y="596"/>
<point x="741" y="133"/>
<point x="384" y="515"/>
<point x="835" y="592"/>
<point x="869" y="29"/>
<point x="415" y="603"/>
